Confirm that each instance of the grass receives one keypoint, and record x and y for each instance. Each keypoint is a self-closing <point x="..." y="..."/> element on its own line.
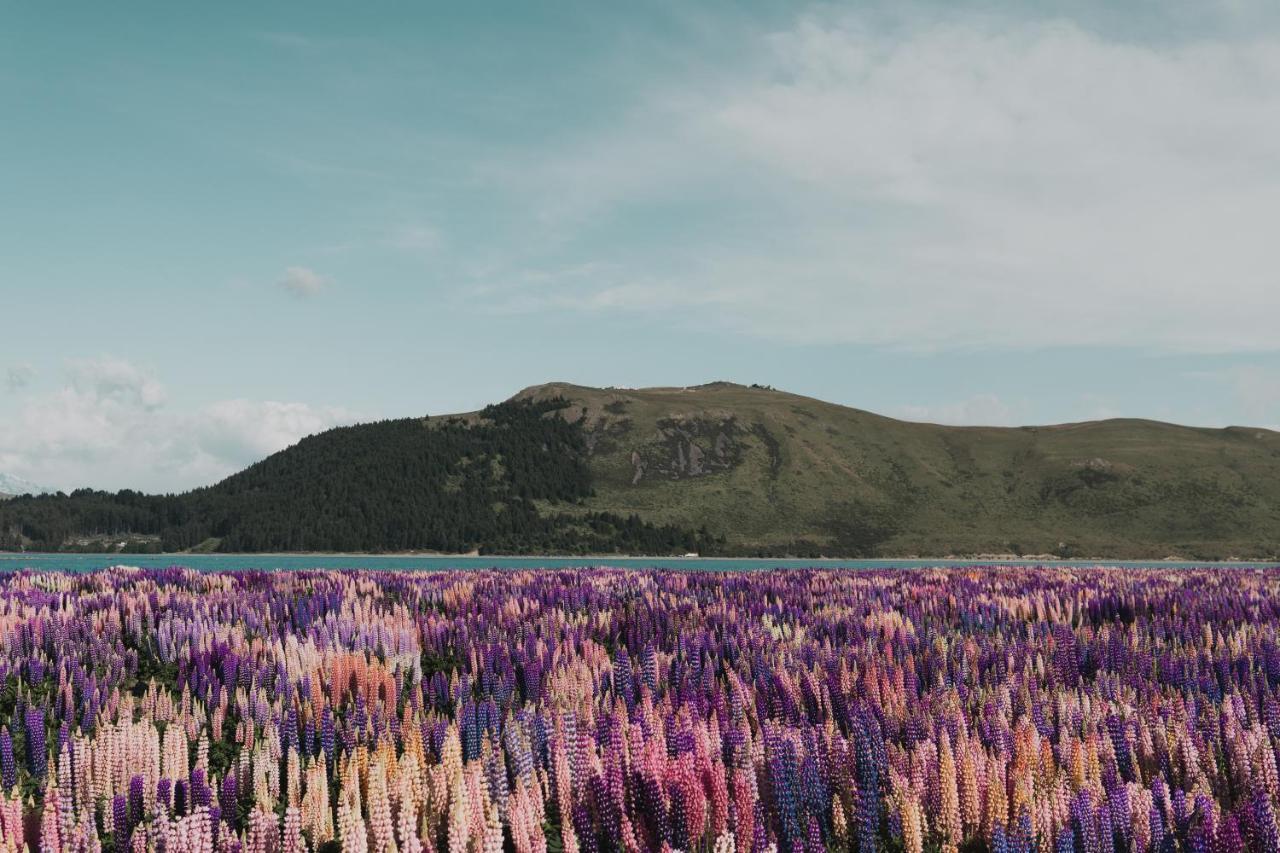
<point x="812" y="477"/>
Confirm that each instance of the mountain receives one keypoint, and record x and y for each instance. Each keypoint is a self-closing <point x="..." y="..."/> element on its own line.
<point x="11" y="486"/>
<point x="719" y="468"/>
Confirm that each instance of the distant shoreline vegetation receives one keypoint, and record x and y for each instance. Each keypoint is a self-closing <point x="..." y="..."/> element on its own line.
<point x="493" y="483"/>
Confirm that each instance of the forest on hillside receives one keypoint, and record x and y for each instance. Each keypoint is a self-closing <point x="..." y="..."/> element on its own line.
<point x="512" y="480"/>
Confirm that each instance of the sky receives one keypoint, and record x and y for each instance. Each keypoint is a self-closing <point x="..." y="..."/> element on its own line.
<point x="226" y="226"/>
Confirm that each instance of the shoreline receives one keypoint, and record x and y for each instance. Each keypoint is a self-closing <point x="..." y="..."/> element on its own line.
<point x="602" y="559"/>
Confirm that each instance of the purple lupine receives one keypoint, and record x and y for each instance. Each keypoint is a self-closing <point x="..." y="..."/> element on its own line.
<point x="1229" y="838"/>
<point x="1156" y="818"/>
<point x="327" y="741"/>
<point x="583" y="829"/>
<point x="37" y="746"/>
<point x="180" y="800"/>
<point x="120" y="819"/>
<point x="135" y="800"/>
<point x="290" y="737"/>
<point x="868" y="772"/>
<point x="228" y="796"/>
<point x="649" y="667"/>
<point x="200" y="793"/>
<point x="8" y="767"/>
<point x="1266" y="833"/>
<point x="1020" y="839"/>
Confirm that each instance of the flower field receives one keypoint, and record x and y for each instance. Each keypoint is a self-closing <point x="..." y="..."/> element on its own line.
<point x="598" y="710"/>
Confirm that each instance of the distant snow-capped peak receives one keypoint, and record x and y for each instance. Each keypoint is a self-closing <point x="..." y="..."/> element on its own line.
<point x="13" y="485"/>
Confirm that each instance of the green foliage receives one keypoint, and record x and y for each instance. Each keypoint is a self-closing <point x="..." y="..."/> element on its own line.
<point x="446" y="662"/>
<point x="150" y="666"/>
<point x="222" y="757"/>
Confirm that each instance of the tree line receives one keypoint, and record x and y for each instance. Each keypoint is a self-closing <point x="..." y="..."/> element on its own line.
<point x="513" y="480"/>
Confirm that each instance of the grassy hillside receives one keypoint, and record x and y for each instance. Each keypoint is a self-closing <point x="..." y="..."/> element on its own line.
<point x="774" y="472"/>
<point x="718" y="468"/>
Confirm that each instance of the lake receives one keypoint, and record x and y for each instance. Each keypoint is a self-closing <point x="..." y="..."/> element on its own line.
<point x="288" y="562"/>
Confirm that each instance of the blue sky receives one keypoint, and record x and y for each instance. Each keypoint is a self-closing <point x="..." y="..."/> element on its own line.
<point x="227" y="225"/>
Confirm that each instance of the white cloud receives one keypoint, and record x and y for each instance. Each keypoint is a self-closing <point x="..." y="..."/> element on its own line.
<point x="303" y="281"/>
<point x="243" y="431"/>
<point x="109" y="427"/>
<point x="1023" y="185"/>
<point x="19" y="376"/>
<point x="115" y="379"/>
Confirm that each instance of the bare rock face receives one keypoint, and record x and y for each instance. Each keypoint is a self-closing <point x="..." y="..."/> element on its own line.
<point x="687" y="447"/>
<point x="695" y="460"/>
<point x="680" y="447"/>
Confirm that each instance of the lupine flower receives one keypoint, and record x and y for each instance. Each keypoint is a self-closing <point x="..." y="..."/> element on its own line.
<point x="1017" y="709"/>
<point x="120" y="822"/>
<point x="1265" y="831"/>
<point x="37" y="749"/>
<point x="8" y="767"/>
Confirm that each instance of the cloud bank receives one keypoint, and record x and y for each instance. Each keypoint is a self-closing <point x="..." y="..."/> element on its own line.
<point x="1026" y="184"/>
<point x="109" y="426"/>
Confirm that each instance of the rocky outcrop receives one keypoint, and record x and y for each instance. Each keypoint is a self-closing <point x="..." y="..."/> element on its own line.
<point x="687" y="447"/>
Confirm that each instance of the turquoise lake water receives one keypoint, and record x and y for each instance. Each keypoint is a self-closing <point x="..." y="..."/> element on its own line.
<point x="287" y="562"/>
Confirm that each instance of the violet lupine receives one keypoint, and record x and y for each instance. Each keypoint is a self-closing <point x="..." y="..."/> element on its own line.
<point x="8" y="766"/>
<point x="37" y="745"/>
<point x="135" y="800"/>
<point x="228" y="795"/>
<point x="120" y="822"/>
<point x="1266" y="832"/>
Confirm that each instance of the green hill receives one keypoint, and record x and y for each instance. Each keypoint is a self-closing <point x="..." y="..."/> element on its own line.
<point x="718" y="468"/>
<point x="774" y="472"/>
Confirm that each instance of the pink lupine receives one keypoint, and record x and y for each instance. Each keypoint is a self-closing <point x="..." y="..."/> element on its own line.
<point x="492" y="842"/>
<point x="291" y="840"/>
<point x="263" y="835"/>
<point x="949" y="814"/>
<point x="51" y="821"/>
<point x="351" y="829"/>
<point x="407" y="816"/>
<point x="382" y="832"/>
